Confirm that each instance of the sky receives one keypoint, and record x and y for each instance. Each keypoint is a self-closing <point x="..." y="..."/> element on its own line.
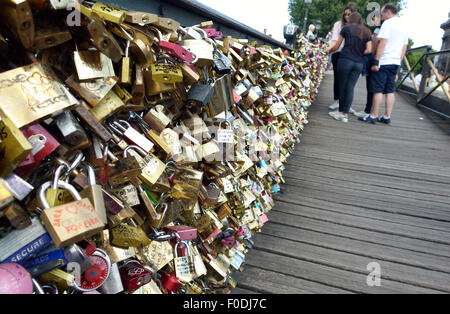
<point x="423" y="17"/>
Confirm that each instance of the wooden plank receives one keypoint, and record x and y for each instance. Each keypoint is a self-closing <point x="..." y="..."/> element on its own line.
<point x="370" y="179"/>
<point x="326" y="275"/>
<point x="371" y="224"/>
<point x="355" y="233"/>
<point x="365" y="212"/>
<point x="358" y="247"/>
<point x="299" y="159"/>
<point x="375" y="202"/>
<point x="301" y="176"/>
<point x="392" y="271"/>
<point x="267" y="281"/>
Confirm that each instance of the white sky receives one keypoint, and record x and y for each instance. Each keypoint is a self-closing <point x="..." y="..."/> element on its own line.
<point x="423" y="17"/>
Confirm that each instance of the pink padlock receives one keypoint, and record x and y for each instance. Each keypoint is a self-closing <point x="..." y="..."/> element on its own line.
<point x="14" y="279"/>
<point x="213" y="33"/>
<point x="176" y="51"/>
<point x="263" y="218"/>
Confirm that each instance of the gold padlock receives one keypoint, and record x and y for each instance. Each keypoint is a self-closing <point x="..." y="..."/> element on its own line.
<point x="17" y="16"/>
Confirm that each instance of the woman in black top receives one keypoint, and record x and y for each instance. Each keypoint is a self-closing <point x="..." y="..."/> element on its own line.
<point x="351" y="62"/>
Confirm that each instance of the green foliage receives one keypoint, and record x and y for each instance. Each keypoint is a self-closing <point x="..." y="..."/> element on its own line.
<point x="414" y="56"/>
<point x="330" y="11"/>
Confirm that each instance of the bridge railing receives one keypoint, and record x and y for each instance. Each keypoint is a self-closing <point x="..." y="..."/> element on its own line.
<point x="424" y="97"/>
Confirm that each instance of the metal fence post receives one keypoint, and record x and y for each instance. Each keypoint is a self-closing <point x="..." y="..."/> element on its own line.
<point x="425" y="75"/>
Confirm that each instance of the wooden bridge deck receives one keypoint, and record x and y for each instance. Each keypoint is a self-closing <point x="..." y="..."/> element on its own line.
<point x="357" y="194"/>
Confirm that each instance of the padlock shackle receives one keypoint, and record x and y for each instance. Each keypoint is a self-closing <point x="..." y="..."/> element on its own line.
<point x="90" y="173"/>
<point x="156" y="31"/>
<point x="62" y="185"/>
<point x="58" y="175"/>
<point x="119" y="124"/>
<point x="137" y="148"/>
<point x="75" y="162"/>
<point x="101" y="254"/>
<point x="186" y="245"/>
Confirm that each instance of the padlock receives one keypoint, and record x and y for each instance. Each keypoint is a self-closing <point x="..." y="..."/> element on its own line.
<point x="17" y="216"/>
<point x="94" y="193"/>
<point x="109" y="13"/>
<point x="224" y="211"/>
<point x="125" y="74"/>
<point x="124" y="129"/>
<point x="209" y="195"/>
<point x="199" y="94"/>
<point x="187" y="183"/>
<point x="170" y="282"/>
<point x="153" y="88"/>
<point x="134" y="275"/>
<point x="27" y="242"/>
<point x="49" y="32"/>
<point x="177" y="52"/>
<point x="56" y="196"/>
<point x="161" y="210"/>
<point x="113" y="285"/>
<point x="126" y="236"/>
<point x="166" y="73"/>
<point x="152" y="167"/>
<point x="157" y="119"/>
<point x="185" y="233"/>
<point x="6" y="197"/>
<point x="184" y="264"/>
<point x="104" y="40"/>
<point x="92" y="91"/>
<point x="14" y="279"/>
<point x="222" y="65"/>
<point x="172" y="141"/>
<point x="202" y="50"/>
<point x="71" y="130"/>
<point x="47" y="260"/>
<point x="23" y="96"/>
<point x="198" y="264"/>
<point x="126" y="169"/>
<point x="138" y="92"/>
<point x="93" y="124"/>
<point x="108" y="106"/>
<point x="222" y="98"/>
<point x="14" y="146"/>
<point x="94" y="277"/>
<point x="75" y="254"/>
<point x="43" y="144"/>
<point x="17" y="16"/>
<point x="69" y="223"/>
<point x="92" y="65"/>
<point x="140" y="17"/>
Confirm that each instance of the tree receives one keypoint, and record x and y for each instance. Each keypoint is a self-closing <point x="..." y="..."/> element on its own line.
<point x="330" y="11"/>
<point x="414" y="56"/>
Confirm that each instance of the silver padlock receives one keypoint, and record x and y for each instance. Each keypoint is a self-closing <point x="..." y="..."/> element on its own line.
<point x="113" y="285"/>
<point x="71" y="130"/>
<point x="74" y="254"/>
<point x="18" y="187"/>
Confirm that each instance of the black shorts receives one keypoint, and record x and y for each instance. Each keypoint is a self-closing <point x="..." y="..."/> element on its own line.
<point x="383" y="81"/>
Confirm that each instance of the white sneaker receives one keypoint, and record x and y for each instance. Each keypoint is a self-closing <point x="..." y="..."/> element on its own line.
<point x="352" y="111"/>
<point x="334" y="106"/>
<point x="339" y="116"/>
<point x="360" y="114"/>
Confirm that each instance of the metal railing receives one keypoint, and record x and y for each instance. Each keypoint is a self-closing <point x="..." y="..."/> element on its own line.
<point x="425" y="99"/>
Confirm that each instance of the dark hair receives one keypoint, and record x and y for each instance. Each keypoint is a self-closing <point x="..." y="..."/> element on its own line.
<point x="352" y="6"/>
<point x="356" y="18"/>
<point x="391" y="7"/>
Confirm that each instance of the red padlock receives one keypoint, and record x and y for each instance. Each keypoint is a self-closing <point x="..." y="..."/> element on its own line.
<point x="43" y="144"/>
<point x="170" y="282"/>
<point x="134" y="275"/>
<point x="176" y="51"/>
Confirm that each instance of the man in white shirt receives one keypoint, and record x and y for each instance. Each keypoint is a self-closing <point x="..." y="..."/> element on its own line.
<point x="393" y="42"/>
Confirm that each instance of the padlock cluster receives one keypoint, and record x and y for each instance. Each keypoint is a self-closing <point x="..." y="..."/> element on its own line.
<point x="138" y="155"/>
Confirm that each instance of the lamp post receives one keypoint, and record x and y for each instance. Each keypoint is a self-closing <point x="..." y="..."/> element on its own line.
<point x="318" y="26"/>
<point x="307" y="3"/>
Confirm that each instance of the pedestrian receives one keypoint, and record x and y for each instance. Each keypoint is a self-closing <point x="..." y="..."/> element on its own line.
<point x="351" y="62"/>
<point x="350" y="8"/>
<point x="367" y="72"/>
<point x="393" y="42"/>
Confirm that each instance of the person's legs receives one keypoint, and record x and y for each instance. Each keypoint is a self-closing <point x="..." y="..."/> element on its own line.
<point x="334" y="60"/>
<point x="369" y="102"/>
<point x="353" y="76"/>
<point x="390" y="101"/>
<point x="376" y="104"/>
<point x="344" y="69"/>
